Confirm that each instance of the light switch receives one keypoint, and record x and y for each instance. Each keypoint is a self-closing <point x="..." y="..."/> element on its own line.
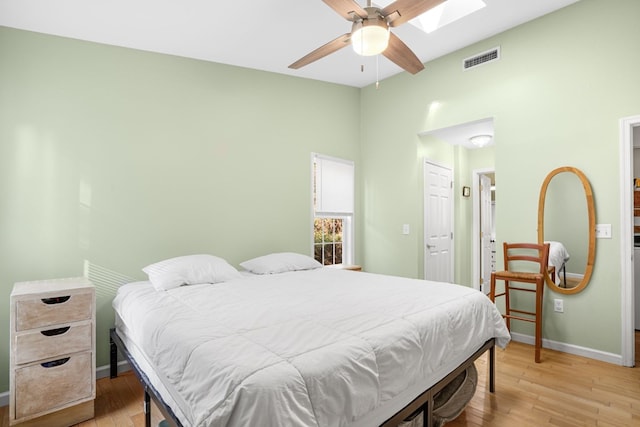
<point x="405" y="228"/>
<point x="603" y="231"/>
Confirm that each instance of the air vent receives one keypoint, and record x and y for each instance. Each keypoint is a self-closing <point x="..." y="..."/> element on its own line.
<point x="481" y="58"/>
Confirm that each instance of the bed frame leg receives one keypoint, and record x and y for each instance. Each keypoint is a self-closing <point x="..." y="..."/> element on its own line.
<point x="427" y="413"/>
<point x="147" y="408"/>
<point x="113" y="360"/>
<point x="492" y="368"/>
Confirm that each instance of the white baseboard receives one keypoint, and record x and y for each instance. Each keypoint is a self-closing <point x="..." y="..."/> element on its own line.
<point x="101" y="372"/>
<point x="591" y="353"/>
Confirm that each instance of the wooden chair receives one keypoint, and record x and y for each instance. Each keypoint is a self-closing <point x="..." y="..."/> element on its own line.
<point x="524" y="254"/>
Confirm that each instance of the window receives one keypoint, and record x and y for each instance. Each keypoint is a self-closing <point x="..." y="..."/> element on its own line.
<point x="327" y="240"/>
<point x="333" y="201"/>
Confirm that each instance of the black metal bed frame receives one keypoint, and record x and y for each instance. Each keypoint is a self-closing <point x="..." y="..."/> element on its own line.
<point x="424" y="402"/>
<point x="116" y="343"/>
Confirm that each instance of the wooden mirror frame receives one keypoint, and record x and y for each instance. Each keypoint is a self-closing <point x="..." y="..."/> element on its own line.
<point x="592" y="227"/>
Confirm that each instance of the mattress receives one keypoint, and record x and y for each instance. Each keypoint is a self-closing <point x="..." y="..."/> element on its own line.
<point x="321" y="347"/>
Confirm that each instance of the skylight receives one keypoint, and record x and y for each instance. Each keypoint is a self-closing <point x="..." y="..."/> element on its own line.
<point x="443" y="14"/>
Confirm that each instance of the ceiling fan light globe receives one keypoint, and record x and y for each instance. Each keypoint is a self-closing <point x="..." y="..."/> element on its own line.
<point x="370" y="37"/>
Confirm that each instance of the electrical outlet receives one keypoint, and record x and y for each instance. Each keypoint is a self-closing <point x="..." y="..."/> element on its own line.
<point x="558" y="305"/>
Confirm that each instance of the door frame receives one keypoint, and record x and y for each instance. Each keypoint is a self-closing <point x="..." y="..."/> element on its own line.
<point x="627" y="124"/>
<point x="475" y="241"/>
<point x="452" y="206"/>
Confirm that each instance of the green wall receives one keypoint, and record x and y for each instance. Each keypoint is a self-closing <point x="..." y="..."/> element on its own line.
<point x="556" y="97"/>
<point x="117" y="158"/>
<point x="113" y="158"/>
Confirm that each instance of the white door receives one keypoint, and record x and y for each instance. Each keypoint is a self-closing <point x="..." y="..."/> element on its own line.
<point x="438" y="224"/>
<point x="485" y="232"/>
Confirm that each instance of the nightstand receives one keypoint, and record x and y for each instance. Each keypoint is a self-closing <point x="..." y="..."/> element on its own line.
<point x="352" y="267"/>
<point x="52" y="362"/>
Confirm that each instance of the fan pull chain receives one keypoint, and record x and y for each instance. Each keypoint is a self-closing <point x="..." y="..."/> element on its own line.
<point x="377" y="73"/>
<point x="361" y="50"/>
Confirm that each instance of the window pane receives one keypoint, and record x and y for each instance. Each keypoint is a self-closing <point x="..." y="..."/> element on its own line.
<point x="317" y="230"/>
<point x="328" y="255"/>
<point x="331" y="225"/>
<point x="326" y="230"/>
<point x="317" y="253"/>
<point x="337" y="230"/>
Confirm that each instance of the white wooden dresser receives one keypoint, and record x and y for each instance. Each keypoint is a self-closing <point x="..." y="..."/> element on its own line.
<point x="52" y="380"/>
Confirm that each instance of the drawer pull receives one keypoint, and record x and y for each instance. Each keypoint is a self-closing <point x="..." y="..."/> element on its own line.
<point x="57" y="331"/>
<point x="55" y="363"/>
<point x="56" y="300"/>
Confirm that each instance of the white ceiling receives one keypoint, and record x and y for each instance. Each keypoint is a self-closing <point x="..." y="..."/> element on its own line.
<point x="263" y="35"/>
<point x="461" y="134"/>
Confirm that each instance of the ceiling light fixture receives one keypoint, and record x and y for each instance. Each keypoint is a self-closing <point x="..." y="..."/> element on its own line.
<point x="370" y="36"/>
<point x="480" y="140"/>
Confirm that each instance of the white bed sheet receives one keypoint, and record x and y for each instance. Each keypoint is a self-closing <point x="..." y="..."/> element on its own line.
<point x="322" y="347"/>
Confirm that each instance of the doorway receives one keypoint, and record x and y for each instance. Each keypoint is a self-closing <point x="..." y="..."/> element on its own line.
<point x="467" y="153"/>
<point x="629" y="127"/>
<point x="483" y="229"/>
<point x="438" y="222"/>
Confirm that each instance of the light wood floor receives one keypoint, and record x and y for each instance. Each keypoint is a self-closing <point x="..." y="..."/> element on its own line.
<point x="563" y="390"/>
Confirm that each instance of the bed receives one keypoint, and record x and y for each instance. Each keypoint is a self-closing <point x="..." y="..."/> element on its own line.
<point x="316" y="347"/>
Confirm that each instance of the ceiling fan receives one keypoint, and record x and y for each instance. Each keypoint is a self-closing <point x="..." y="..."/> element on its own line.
<point x="370" y="32"/>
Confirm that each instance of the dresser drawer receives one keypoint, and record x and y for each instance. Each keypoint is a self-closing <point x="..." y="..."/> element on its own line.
<point x="58" y="309"/>
<point x="49" y="343"/>
<point x="46" y="386"/>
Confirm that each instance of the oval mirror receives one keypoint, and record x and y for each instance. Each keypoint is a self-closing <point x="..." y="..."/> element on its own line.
<point x="567" y="220"/>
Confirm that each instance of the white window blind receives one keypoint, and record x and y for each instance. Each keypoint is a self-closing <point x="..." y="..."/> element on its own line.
<point x="334" y="180"/>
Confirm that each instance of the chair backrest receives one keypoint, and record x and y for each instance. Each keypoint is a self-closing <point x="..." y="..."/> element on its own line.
<point x="528" y="253"/>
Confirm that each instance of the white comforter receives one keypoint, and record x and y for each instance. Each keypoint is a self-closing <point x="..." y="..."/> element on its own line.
<point x="315" y="348"/>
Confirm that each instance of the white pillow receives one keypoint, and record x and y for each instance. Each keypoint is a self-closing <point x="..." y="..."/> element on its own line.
<point x="279" y="263"/>
<point x="189" y="270"/>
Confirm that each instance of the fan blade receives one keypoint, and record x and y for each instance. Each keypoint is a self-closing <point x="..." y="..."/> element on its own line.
<point x="407" y="10"/>
<point x="400" y="54"/>
<point x="346" y="7"/>
<point x="322" y="51"/>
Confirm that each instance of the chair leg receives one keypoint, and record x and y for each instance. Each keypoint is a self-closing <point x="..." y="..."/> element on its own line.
<point x="539" y="298"/>
<point x="507" y="304"/>
<point x="492" y="289"/>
